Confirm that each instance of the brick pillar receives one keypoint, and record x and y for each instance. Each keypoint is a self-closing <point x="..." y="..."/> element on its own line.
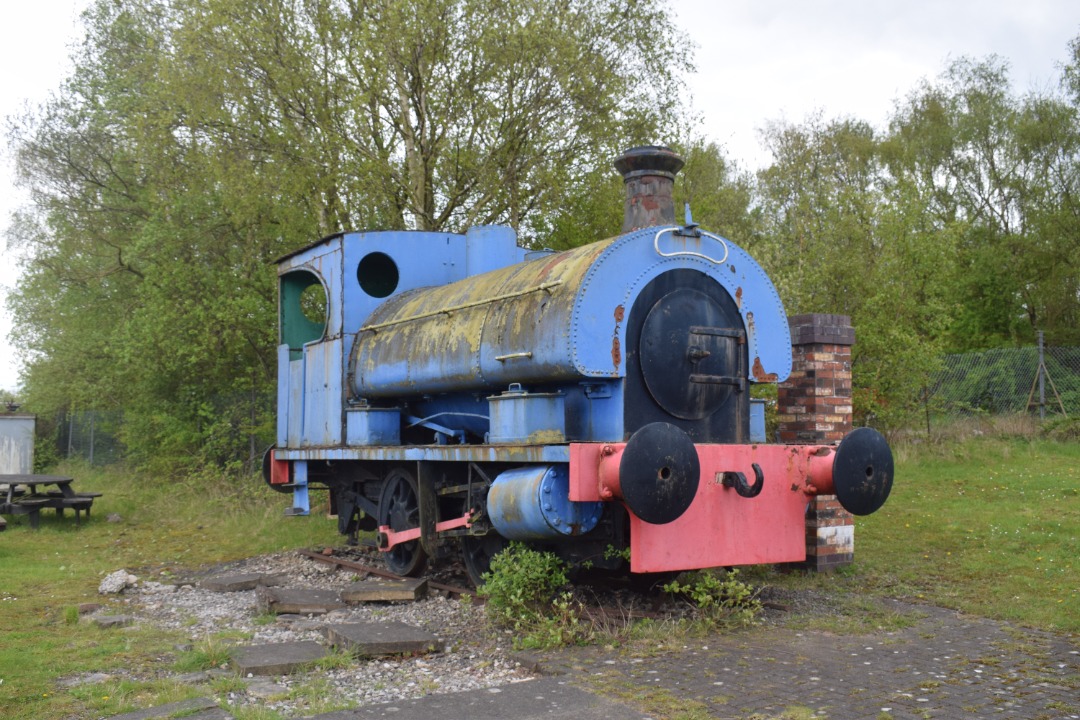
<point x="814" y="407"/>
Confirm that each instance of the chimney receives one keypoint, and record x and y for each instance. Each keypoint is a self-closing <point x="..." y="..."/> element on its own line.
<point x="649" y="173"/>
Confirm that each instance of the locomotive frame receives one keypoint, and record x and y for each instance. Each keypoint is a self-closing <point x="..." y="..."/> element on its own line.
<point x="457" y="391"/>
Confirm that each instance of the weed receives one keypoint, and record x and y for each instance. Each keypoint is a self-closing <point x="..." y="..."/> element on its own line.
<point x="71" y="615"/>
<point x="335" y="659"/>
<point x="255" y="712"/>
<point x="210" y="652"/>
<point x="795" y="712"/>
<point x="659" y="701"/>
<point x="724" y="601"/>
<point x="524" y="592"/>
<point x="317" y="695"/>
<point x="1060" y="706"/>
<point x="227" y="684"/>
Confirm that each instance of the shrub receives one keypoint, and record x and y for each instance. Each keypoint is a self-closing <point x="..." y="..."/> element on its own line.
<point x="1064" y="429"/>
<point x="724" y="601"/>
<point x="525" y="591"/>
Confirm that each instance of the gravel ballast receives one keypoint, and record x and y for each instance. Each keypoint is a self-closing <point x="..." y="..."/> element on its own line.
<point x="474" y="656"/>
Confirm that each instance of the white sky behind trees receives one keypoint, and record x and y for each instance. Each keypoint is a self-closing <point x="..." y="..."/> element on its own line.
<point x="758" y="61"/>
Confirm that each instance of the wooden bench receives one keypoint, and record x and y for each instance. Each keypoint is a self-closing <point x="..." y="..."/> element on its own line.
<point x="26" y="505"/>
<point x="78" y="503"/>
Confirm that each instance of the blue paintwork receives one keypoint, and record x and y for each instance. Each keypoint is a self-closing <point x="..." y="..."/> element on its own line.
<point x="552" y="320"/>
<point x="372" y="426"/>
<point x="312" y="391"/>
<point x="300" y="504"/>
<point x="532" y="503"/>
<point x="557" y="323"/>
<point x="435" y="453"/>
<point x="522" y="417"/>
<point x="757" y="421"/>
<point x="632" y="261"/>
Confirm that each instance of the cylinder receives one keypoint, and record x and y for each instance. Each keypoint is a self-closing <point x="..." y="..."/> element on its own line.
<point x="649" y="175"/>
<point x="533" y="503"/>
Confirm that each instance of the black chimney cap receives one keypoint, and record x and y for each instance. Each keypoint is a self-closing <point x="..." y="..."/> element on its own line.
<point x="649" y="160"/>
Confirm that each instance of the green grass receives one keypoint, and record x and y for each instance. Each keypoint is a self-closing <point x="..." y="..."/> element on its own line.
<point x="165" y="527"/>
<point x="988" y="526"/>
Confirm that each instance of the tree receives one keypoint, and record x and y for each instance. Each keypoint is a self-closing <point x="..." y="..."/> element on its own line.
<point x="842" y="236"/>
<point x="997" y="172"/>
<point x="197" y="140"/>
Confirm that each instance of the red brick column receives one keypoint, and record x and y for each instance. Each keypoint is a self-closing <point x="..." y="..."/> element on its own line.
<point x="814" y="407"/>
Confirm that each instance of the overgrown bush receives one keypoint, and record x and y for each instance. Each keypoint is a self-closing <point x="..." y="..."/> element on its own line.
<point x="1066" y="429"/>
<point x="526" y="592"/>
<point x="722" y="598"/>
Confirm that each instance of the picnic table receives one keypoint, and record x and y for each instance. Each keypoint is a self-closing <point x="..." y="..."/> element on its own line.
<point x="29" y="494"/>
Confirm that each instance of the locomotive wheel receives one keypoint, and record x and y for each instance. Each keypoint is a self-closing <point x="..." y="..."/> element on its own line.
<point x="399" y="508"/>
<point x="477" y="552"/>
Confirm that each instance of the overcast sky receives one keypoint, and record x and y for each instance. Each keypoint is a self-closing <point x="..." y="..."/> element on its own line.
<point x="757" y="60"/>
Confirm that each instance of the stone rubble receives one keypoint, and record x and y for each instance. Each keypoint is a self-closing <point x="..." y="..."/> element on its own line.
<point x="117" y="582"/>
<point x="473" y="658"/>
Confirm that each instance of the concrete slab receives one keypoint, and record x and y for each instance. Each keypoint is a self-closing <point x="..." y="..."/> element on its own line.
<point x="296" y="601"/>
<point x="113" y="621"/>
<point x="263" y="689"/>
<point x="300" y="622"/>
<point x="381" y="638"/>
<point x="544" y="698"/>
<point x="384" y="590"/>
<point x="243" y="581"/>
<point x="200" y="708"/>
<point x="276" y="658"/>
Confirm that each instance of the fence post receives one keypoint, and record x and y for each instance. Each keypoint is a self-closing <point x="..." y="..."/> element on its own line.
<point x="93" y="416"/>
<point x="814" y="406"/>
<point x="1042" y="380"/>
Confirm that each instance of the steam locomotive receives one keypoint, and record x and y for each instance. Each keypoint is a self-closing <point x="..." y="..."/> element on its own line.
<point x="456" y="392"/>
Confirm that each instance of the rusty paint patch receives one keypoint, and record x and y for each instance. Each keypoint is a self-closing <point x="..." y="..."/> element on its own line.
<point x="616" y="347"/>
<point x="759" y="372"/>
<point x="738" y="297"/>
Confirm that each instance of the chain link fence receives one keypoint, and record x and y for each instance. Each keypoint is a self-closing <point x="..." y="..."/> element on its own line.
<point x="95" y="437"/>
<point x="90" y="435"/>
<point x="1042" y="381"/>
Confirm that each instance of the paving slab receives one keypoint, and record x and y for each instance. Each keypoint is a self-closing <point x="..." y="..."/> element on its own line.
<point x="938" y="664"/>
<point x="383" y="590"/>
<point x="264" y="689"/>
<point x="543" y="698"/>
<point x="381" y="638"/>
<point x="298" y="601"/>
<point x="198" y="708"/>
<point x="239" y="582"/>
<point x="276" y="658"/>
<point x="113" y="621"/>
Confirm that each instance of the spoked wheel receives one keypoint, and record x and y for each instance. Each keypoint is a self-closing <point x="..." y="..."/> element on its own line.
<point x="477" y="552"/>
<point x="399" y="507"/>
